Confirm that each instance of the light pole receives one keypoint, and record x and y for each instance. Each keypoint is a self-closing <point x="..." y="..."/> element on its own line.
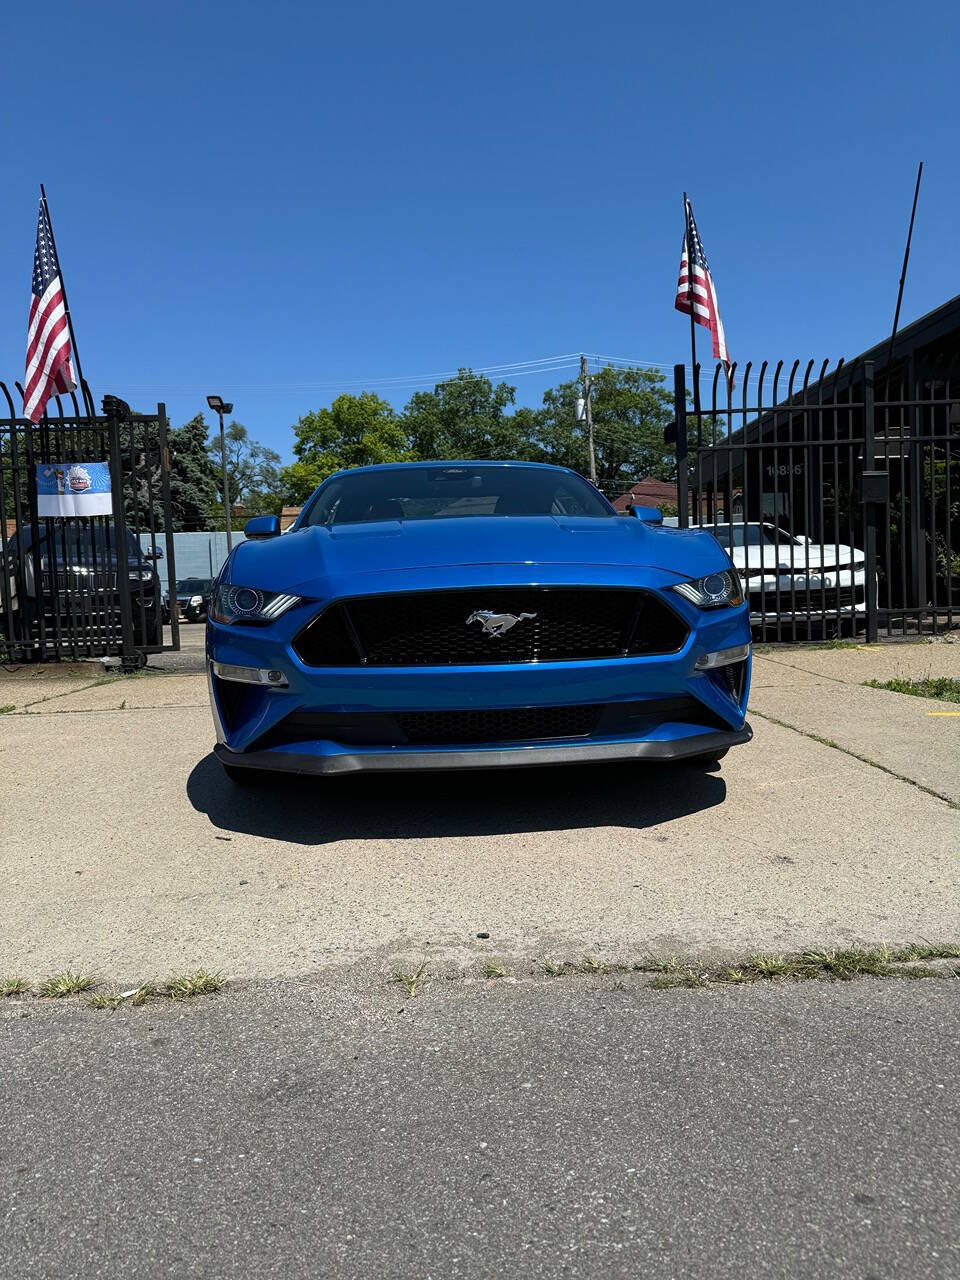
<point x="220" y="408"/>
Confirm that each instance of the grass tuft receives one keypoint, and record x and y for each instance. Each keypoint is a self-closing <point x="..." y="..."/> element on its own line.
<point x="9" y="706"/>
<point x="103" y="1001"/>
<point x="555" y="968"/>
<point x="679" y="978"/>
<point x="64" y="984"/>
<point x="942" y="688"/>
<point x="492" y="970"/>
<point x="592" y="964"/>
<point x="839" y="965"/>
<point x="13" y="987"/>
<point x="186" y="985"/>
<point x="412" y="981"/>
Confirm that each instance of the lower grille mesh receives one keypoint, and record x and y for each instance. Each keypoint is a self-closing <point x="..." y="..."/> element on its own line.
<point x="510" y="725"/>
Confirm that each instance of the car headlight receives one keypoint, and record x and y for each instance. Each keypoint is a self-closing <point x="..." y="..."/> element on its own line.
<point x="249" y="605"/>
<point x="140" y="575"/>
<point x="715" y="591"/>
<point x="196" y="600"/>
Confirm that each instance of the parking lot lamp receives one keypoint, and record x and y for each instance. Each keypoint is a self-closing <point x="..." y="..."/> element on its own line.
<point x="220" y="408"/>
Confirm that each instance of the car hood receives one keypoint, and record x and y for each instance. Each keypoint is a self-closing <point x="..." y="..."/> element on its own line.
<point x="317" y="561"/>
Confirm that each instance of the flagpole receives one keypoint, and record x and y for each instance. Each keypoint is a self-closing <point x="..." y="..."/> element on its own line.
<point x="84" y="389"/>
<point x="903" y="273"/>
<point x="693" y="329"/>
<point x="693" y="325"/>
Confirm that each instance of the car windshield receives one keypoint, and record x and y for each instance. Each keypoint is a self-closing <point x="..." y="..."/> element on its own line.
<point x="446" y="492"/>
<point x="751" y="535"/>
<point x="195" y="585"/>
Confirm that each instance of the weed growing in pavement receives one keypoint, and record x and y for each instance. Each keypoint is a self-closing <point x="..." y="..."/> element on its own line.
<point x="10" y="706"/>
<point x="552" y="968"/>
<point x="64" y="984"/>
<point x="679" y="978"/>
<point x="186" y="985"/>
<point x="13" y="987"/>
<point x="837" y="965"/>
<point x="491" y="970"/>
<point x="182" y="987"/>
<point x="411" y="981"/>
<point x="942" y="688"/>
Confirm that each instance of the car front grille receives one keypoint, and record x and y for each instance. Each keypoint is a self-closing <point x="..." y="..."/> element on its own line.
<point x="434" y="628"/>
<point x="80" y="582"/>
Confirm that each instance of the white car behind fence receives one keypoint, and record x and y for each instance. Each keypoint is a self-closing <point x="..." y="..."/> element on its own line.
<point x="791" y="577"/>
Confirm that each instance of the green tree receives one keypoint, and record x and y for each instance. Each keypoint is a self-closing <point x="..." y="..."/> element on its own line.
<point x="355" y="431"/>
<point x="193" y="478"/>
<point x="467" y="418"/>
<point x="253" y="472"/>
<point x="631" y="409"/>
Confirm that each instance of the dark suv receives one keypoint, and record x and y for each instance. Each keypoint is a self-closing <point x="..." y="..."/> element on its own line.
<point x="80" y="572"/>
<point x="193" y="599"/>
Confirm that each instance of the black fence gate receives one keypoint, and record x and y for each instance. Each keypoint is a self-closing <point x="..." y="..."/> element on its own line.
<point x="88" y="586"/>
<point x="838" y="499"/>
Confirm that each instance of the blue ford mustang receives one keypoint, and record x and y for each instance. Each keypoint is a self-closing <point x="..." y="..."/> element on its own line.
<point x="445" y="615"/>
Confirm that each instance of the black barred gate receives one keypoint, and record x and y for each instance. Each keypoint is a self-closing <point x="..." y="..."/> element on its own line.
<point x="837" y="496"/>
<point x="74" y="587"/>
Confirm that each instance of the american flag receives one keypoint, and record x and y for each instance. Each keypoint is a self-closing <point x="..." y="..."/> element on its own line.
<point x="695" y="291"/>
<point x="49" y="371"/>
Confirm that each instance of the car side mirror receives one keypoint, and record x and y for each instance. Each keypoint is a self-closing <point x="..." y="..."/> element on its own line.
<point x="649" y="515"/>
<point x="262" y="527"/>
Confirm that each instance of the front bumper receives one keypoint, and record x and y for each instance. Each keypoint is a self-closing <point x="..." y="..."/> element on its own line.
<point x="408" y="761"/>
<point x="255" y="725"/>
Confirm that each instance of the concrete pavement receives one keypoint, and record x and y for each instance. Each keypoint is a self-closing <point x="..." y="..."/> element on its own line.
<point x="126" y="851"/>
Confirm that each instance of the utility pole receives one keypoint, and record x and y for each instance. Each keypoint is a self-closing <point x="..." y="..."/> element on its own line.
<point x="588" y="411"/>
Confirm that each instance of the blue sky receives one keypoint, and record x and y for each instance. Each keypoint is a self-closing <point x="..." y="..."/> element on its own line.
<point x="278" y="201"/>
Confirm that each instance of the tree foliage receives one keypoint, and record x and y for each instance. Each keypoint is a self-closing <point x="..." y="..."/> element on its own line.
<point x="631" y="408"/>
<point x="253" y="472"/>
<point x="355" y="431"/>
<point x="467" y="418"/>
<point x="193" y="478"/>
<point x="470" y="417"/>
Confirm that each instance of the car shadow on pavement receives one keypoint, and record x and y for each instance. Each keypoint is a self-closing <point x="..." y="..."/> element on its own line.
<point x="316" y="811"/>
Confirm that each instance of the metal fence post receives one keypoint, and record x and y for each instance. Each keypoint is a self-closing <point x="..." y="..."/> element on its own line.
<point x="168" y="525"/>
<point x="680" y="412"/>
<point x="870" y="508"/>
<point x="128" y="653"/>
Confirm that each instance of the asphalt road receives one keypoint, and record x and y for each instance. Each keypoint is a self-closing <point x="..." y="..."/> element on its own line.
<point x="565" y="1127"/>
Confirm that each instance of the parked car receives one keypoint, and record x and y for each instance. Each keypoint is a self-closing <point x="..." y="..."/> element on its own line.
<point x="80" y="573"/>
<point x="193" y="599"/>
<point x="788" y="576"/>
<point x="470" y="614"/>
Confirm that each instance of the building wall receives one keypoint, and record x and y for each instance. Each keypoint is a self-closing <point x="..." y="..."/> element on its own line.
<point x="197" y="555"/>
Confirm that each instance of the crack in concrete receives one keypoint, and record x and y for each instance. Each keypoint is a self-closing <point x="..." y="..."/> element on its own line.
<point x="875" y="764"/>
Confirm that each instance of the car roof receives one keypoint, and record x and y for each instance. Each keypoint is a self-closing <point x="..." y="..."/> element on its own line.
<point x="454" y="462"/>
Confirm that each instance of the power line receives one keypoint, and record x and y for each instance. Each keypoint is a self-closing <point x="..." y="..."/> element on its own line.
<point x="513" y="369"/>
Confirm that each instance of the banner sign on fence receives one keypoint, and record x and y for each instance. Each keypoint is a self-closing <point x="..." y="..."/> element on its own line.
<point x="74" y="489"/>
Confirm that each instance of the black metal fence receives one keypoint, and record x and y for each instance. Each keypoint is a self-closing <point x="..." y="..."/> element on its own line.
<point x="90" y="586"/>
<point x="837" y="496"/>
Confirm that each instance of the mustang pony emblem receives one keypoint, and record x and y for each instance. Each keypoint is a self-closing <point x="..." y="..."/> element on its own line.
<point x="495" y="624"/>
